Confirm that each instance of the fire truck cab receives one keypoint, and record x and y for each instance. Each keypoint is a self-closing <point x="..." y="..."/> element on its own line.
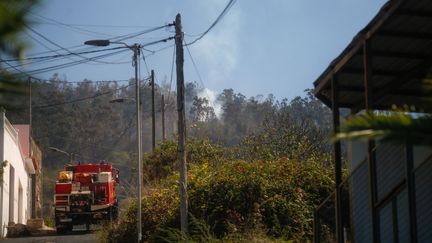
<point x="85" y="194"/>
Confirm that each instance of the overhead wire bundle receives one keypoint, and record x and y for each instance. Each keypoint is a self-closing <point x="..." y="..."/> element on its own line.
<point x="75" y="55"/>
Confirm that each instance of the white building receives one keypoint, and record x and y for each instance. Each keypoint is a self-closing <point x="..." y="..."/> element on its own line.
<point x="15" y="182"/>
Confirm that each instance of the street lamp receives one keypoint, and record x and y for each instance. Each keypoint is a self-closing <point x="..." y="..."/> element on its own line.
<point x="70" y="155"/>
<point x="121" y="100"/>
<point x="136" y="50"/>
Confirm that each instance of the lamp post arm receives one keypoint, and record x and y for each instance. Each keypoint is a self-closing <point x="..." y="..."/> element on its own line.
<point x="59" y="150"/>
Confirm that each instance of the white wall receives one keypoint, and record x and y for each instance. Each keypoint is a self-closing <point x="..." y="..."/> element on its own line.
<point x="14" y="157"/>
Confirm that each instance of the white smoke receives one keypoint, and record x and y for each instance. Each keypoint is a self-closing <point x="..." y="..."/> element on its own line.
<point x="212" y="98"/>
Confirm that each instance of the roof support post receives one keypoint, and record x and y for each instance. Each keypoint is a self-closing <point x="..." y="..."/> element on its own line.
<point x="338" y="161"/>
<point x="2" y="157"/>
<point x="411" y="192"/>
<point x="316" y="226"/>
<point x="367" y="66"/>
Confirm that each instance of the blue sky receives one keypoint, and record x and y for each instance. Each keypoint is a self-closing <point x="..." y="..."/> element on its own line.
<point x="259" y="47"/>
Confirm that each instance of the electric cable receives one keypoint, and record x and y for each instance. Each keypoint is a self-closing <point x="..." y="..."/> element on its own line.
<point x="159" y="50"/>
<point x="146" y="66"/>
<point x="132" y="35"/>
<point x="57" y="45"/>
<point x="66" y="82"/>
<point x="63" y="55"/>
<point x="172" y="73"/>
<point x="55" y="67"/>
<point x="121" y="37"/>
<point x="194" y="65"/>
<point x="65" y="65"/>
<point x="84" y="81"/>
<point x="199" y="77"/>
<point x="221" y="15"/>
<point x="81" y="30"/>
<point x="81" y="99"/>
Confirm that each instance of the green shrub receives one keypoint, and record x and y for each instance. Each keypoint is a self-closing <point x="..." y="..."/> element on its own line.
<point x="48" y="221"/>
<point x="163" y="161"/>
<point x="199" y="231"/>
<point x="278" y="196"/>
<point x="275" y="197"/>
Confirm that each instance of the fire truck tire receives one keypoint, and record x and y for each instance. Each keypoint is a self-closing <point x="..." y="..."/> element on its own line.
<point x="61" y="230"/>
<point x="114" y="212"/>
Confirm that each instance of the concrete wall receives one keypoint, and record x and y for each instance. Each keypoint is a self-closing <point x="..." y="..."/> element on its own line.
<point x="37" y="187"/>
<point x="16" y="183"/>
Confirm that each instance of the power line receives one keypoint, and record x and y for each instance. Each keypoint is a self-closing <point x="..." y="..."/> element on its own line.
<point x="16" y="69"/>
<point x="63" y="55"/>
<point x="221" y="15"/>
<point x="159" y="50"/>
<point x="146" y="66"/>
<point x="57" y="45"/>
<point x="40" y="42"/>
<point x="66" y="82"/>
<point x="100" y="25"/>
<point x="172" y="73"/>
<point x="117" y="38"/>
<point x="81" y="99"/>
<point x="89" y="52"/>
<point x="30" y="73"/>
<point x="56" y="51"/>
<point x="80" y="30"/>
<point x="84" y="81"/>
<point x="93" y="58"/>
<point x="132" y="35"/>
<point x="69" y="64"/>
<point x="64" y="65"/>
<point x="199" y="76"/>
<point x="194" y="65"/>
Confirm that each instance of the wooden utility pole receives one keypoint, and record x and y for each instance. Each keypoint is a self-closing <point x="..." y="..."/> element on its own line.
<point x="33" y="176"/>
<point x="153" y="112"/>
<point x="181" y="125"/>
<point x="163" y="117"/>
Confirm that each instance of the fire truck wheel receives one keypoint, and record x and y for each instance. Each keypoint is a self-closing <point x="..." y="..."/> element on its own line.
<point x="61" y="230"/>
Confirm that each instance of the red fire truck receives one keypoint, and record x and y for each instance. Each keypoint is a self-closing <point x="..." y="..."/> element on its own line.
<point x="85" y="194"/>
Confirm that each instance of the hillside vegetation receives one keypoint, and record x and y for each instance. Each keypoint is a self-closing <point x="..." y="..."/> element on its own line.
<point x="227" y="198"/>
<point x="256" y="164"/>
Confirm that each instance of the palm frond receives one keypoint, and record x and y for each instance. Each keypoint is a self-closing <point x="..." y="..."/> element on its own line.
<point x="396" y="127"/>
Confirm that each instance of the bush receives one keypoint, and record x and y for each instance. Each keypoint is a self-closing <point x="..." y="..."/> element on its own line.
<point x="275" y="197"/>
<point x="163" y="161"/>
<point x="278" y="196"/>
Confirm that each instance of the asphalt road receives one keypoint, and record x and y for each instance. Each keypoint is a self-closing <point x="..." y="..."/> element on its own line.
<point x="77" y="236"/>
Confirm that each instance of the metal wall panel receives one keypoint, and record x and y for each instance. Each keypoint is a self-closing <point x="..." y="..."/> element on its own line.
<point x="390" y="166"/>
<point x="386" y="226"/>
<point x="423" y="183"/>
<point x="403" y="217"/>
<point x="361" y="213"/>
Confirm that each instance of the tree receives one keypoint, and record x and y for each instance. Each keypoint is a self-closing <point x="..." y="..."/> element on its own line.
<point x="297" y="130"/>
<point x="201" y="111"/>
<point x="13" y="20"/>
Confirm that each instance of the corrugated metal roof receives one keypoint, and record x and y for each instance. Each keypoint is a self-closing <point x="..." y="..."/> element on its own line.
<point x="400" y="39"/>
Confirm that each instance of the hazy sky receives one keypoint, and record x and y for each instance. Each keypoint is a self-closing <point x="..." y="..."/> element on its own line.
<point x="259" y="47"/>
